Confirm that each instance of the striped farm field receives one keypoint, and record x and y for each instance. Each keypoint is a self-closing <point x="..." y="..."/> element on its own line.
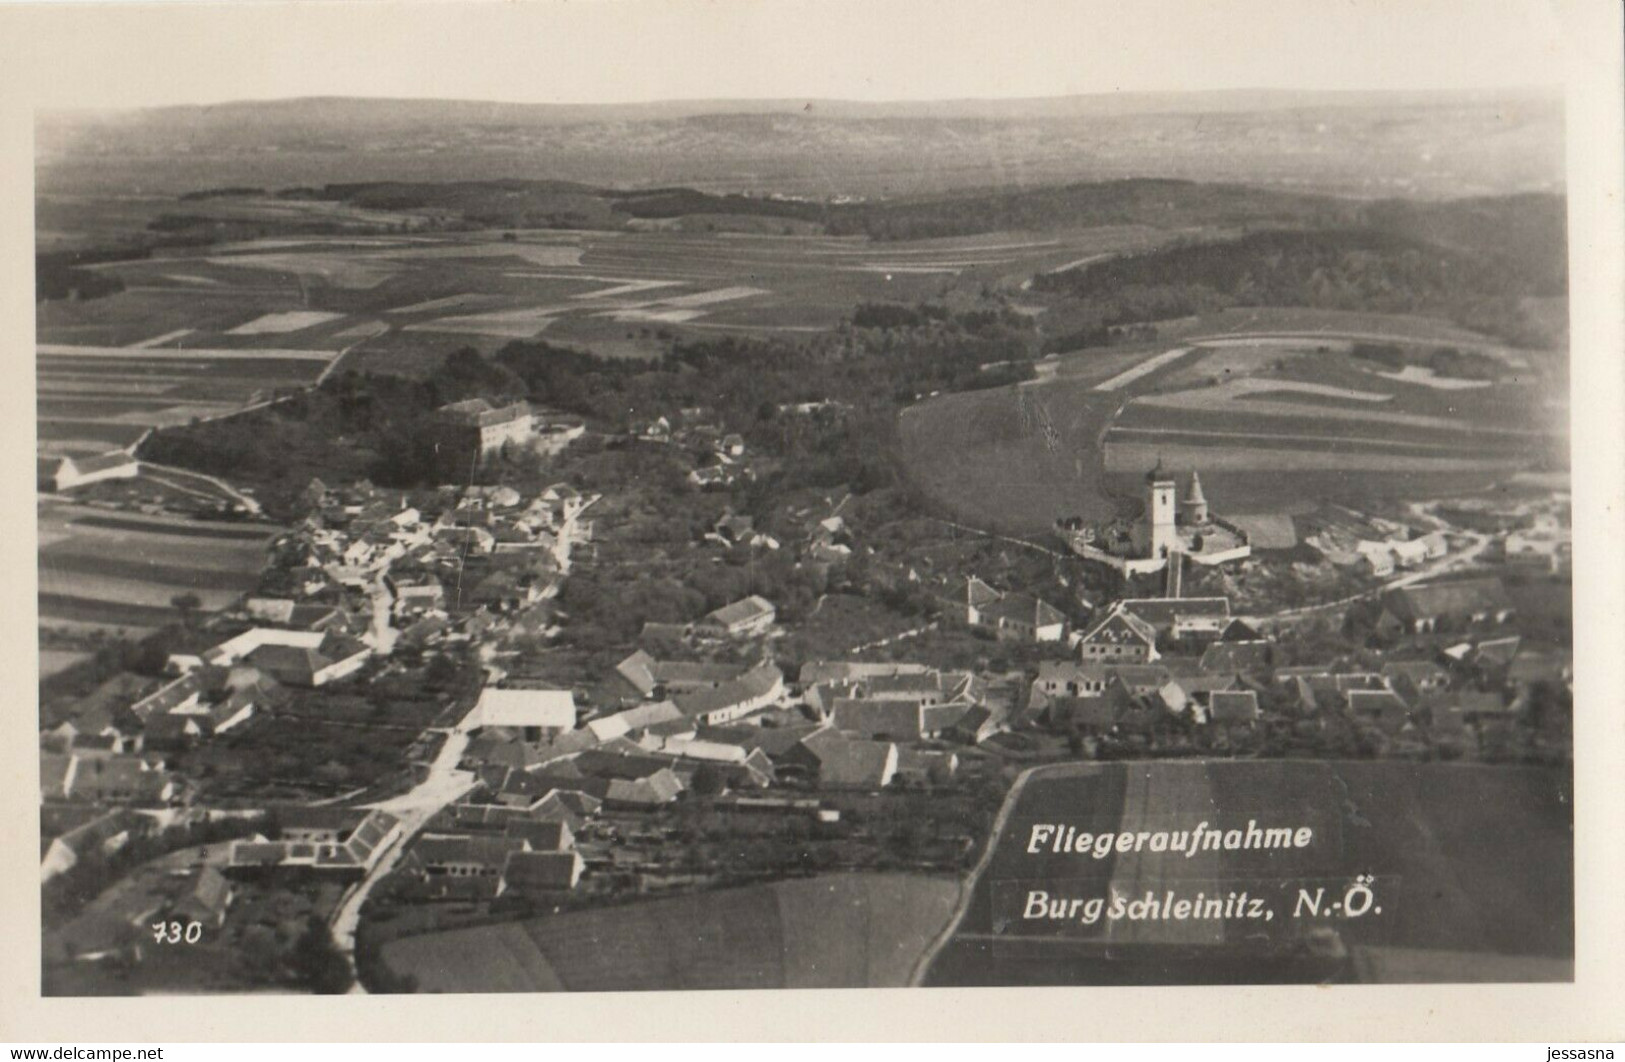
<point x="124" y="570"/>
<point x="113" y="433"/>
<point x="104" y="613"/>
<point x="1333" y="444"/>
<point x="73" y="583"/>
<point x="160" y="355"/>
<point x="175" y="528"/>
<point x="1141" y="457"/>
<point x="77" y="561"/>
<point x="835" y="931"/>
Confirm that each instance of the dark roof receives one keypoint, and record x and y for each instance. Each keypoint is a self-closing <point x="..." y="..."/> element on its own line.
<point x="1461" y="597"/>
<point x="1477" y="703"/>
<point x="1161" y="612"/>
<point x="898" y="720"/>
<point x="599" y="764"/>
<point x="1232" y="706"/>
<point x="756" y="682"/>
<point x="742" y="611"/>
<point x="1414" y="670"/>
<point x="484" y="850"/>
<point x="541" y="870"/>
<point x="1120" y="627"/>
<point x="1097" y="713"/>
<point x="1139" y="676"/>
<point x="1023" y="608"/>
<point x="1497" y="651"/>
<point x="169" y="696"/>
<point x="978" y="593"/>
<point x="1236" y="656"/>
<point x="775" y="741"/>
<point x="100" y="830"/>
<point x="1375" y="702"/>
<point x="1239" y="631"/>
<point x="544" y="835"/>
<point x="340" y="820"/>
<point x="211" y="892"/>
<point x="842" y="762"/>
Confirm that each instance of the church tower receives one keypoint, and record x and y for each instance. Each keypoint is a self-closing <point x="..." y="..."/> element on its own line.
<point x="1196" y="502"/>
<point x="1160" y="511"/>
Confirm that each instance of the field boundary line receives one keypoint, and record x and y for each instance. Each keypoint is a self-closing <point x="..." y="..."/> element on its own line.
<point x="968" y="883"/>
<point x="1001" y="538"/>
<point x="232" y="492"/>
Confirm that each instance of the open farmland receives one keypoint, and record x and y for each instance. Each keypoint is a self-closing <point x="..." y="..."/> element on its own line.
<point x="402" y="301"/>
<point x="90" y="399"/>
<point x="122" y="571"/>
<point x="837" y="931"/>
<point x="1270" y="420"/>
<point x="1435" y="837"/>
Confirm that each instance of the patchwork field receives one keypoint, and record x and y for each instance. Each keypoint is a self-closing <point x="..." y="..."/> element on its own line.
<point x="1433" y="838"/>
<point x="403" y="301"/>
<point x="89" y="399"/>
<point x="121" y="571"/>
<point x="1269" y="420"/>
<point x="837" y="931"/>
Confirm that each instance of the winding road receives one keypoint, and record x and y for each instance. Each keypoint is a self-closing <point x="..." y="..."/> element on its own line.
<point x="444" y="784"/>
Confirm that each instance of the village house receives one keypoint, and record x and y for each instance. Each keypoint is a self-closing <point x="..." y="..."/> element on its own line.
<point x="1121" y="637"/>
<point x="1427" y="608"/>
<point x="837" y="762"/>
<point x="345" y="859"/>
<point x="316" y="825"/>
<point x="334" y="658"/>
<point x="619" y="779"/>
<point x="118" y="780"/>
<point x="464" y="855"/>
<point x="817" y="671"/>
<point x="205" y="900"/>
<point x="751" y="616"/>
<point x="650" y="677"/>
<point x="300" y="658"/>
<point x="751" y="692"/>
<point x="896" y="720"/>
<point x="1011" y="615"/>
<point x="536" y="713"/>
<point x="1180" y="617"/>
<point x="1232" y="713"/>
<point x="532" y="873"/>
<point x="98" y="838"/>
<point x="1426" y="676"/>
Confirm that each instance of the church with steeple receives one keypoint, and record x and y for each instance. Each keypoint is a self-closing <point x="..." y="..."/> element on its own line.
<point x="1172" y="526"/>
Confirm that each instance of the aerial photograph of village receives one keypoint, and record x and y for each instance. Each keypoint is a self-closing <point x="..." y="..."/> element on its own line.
<point x="1092" y="540"/>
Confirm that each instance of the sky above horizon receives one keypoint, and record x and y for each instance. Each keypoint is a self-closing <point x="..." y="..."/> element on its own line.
<point x="619" y="51"/>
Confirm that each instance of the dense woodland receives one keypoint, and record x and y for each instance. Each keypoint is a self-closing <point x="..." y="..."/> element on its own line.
<point x="1524" y="226"/>
<point x="1364" y="269"/>
<point x="382" y="427"/>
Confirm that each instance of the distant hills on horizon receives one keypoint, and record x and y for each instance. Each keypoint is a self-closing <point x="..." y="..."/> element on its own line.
<point x="1199" y="101"/>
<point x="1366" y="144"/>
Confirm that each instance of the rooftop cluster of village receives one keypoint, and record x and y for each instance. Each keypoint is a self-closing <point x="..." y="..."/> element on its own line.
<point x="383" y="657"/>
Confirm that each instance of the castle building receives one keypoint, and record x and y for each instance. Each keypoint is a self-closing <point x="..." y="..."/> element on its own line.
<point x="489" y="429"/>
